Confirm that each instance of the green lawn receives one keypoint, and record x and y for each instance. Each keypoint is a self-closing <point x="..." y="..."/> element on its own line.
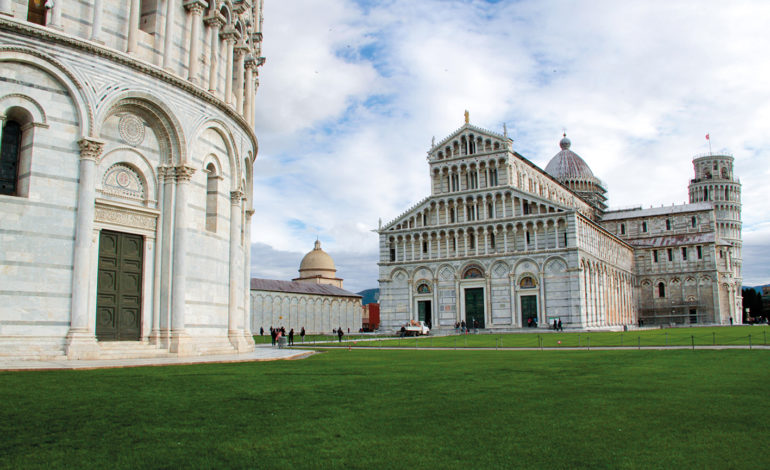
<point x="399" y="409"/>
<point x="700" y="336"/>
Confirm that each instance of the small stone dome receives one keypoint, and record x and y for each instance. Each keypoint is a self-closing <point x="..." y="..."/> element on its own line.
<point x="317" y="260"/>
<point x="567" y="165"/>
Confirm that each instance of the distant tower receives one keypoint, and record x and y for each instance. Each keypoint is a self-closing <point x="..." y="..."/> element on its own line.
<point x="715" y="182"/>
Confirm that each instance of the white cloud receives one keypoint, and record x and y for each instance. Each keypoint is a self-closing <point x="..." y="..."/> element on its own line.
<point x="352" y="93"/>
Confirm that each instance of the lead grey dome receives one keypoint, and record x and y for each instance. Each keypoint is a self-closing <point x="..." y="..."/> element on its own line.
<point x="567" y="165"/>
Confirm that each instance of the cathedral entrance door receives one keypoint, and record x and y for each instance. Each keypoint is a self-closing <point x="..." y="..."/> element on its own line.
<point x="119" y="287"/>
<point x="424" y="312"/>
<point x="528" y="308"/>
<point x="474" y="307"/>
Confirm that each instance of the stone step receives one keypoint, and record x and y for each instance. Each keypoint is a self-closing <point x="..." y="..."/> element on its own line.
<point x="130" y="350"/>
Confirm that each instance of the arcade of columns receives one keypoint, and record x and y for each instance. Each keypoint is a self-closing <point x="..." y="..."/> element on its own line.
<point x="239" y="49"/>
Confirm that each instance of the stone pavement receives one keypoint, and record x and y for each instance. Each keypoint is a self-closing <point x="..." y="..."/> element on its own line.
<point x="260" y="353"/>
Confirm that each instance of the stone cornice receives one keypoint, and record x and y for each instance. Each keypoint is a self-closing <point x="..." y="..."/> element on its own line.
<point x="57" y="37"/>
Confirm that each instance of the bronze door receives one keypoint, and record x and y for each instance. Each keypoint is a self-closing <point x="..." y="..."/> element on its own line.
<point x="474" y="307"/>
<point x="119" y="287"/>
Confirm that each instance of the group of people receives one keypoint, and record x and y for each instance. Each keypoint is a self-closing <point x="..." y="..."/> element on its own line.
<point x="277" y="333"/>
<point x="532" y="322"/>
<point x="463" y="328"/>
<point x="557" y="325"/>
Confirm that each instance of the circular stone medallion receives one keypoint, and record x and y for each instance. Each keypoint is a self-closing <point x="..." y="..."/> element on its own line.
<point x="131" y="129"/>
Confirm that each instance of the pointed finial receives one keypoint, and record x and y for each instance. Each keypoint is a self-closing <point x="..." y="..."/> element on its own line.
<point x="467" y="117"/>
<point x="433" y="141"/>
<point x="505" y="130"/>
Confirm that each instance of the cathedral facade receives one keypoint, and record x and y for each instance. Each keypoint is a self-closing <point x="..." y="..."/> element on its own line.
<point x="126" y="176"/>
<point x="501" y="244"/>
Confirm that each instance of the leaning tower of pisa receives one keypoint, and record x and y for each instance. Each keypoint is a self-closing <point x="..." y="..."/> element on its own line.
<point x="126" y="176"/>
<point x="715" y="182"/>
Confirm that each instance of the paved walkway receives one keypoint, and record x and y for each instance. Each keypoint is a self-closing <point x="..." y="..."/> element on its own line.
<point x="260" y="353"/>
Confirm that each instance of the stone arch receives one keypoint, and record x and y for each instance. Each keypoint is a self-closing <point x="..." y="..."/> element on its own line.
<point x="522" y="266"/>
<point x="474" y="269"/>
<point x="396" y="274"/>
<point x="60" y="73"/>
<point x="134" y="160"/>
<point x="500" y="269"/>
<point x="159" y="117"/>
<point x="555" y="264"/>
<point x="36" y="113"/>
<point x="218" y="126"/>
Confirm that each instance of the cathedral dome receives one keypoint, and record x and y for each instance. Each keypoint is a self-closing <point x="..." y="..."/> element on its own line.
<point x="567" y="165"/>
<point x="316" y="260"/>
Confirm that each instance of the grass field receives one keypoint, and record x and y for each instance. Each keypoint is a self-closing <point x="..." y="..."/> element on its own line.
<point x="698" y="336"/>
<point x="399" y="409"/>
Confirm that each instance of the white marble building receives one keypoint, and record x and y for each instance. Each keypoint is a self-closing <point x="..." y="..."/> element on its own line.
<point x="500" y="241"/>
<point x="315" y="300"/>
<point x="126" y="176"/>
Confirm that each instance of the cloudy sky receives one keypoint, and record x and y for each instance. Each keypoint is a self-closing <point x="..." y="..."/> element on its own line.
<point x="353" y="91"/>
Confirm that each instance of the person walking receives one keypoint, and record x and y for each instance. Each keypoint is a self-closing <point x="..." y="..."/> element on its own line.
<point x="261" y="331"/>
<point x="302" y="334"/>
<point x="291" y="337"/>
<point x="559" y="325"/>
<point x="339" y="334"/>
<point x="273" y="334"/>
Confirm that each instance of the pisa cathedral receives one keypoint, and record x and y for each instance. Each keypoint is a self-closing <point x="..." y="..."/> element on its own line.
<point x="502" y="244"/>
<point x="126" y="176"/>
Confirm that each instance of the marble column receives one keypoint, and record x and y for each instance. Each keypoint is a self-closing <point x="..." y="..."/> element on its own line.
<point x="229" y="37"/>
<point x="81" y="339"/>
<point x="180" y="340"/>
<point x="166" y="248"/>
<point x="96" y="22"/>
<point x="240" y="54"/>
<point x="155" y="336"/>
<point x="133" y="25"/>
<point x="233" y="332"/>
<point x="248" y="107"/>
<point x="6" y="7"/>
<point x="247" y="334"/>
<point x="168" y="34"/>
<point x="55" y="15"/>
<point x="195" y="8"/>
<point x="214" y="22"/>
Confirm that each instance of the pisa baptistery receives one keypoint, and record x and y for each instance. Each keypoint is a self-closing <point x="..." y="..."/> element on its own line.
<point x="126" y="176"/>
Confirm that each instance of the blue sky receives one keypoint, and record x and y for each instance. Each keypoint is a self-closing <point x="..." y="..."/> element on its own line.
<point x="353" y="91"/>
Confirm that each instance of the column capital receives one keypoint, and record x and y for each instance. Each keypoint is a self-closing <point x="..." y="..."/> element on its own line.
<point x="240" y="50"/>
<point x="165" y="173"/>
<point x="90" y="149"/>
<point x="249" y="213"/>
<point x="196" y="7"/>
<point x="183" y="173"/>
<point x="250" y="62"/>
<point x="215" y="20"/>
<point x="228" y="34"/>
<point x="235" y="197"/>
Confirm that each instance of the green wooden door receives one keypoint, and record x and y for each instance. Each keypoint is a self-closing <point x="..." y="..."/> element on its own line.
<point x="528" y="308"/>
<point x="424" y="312"/>
<point x="474" y="307"/>
<point x="119" y="287"/>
